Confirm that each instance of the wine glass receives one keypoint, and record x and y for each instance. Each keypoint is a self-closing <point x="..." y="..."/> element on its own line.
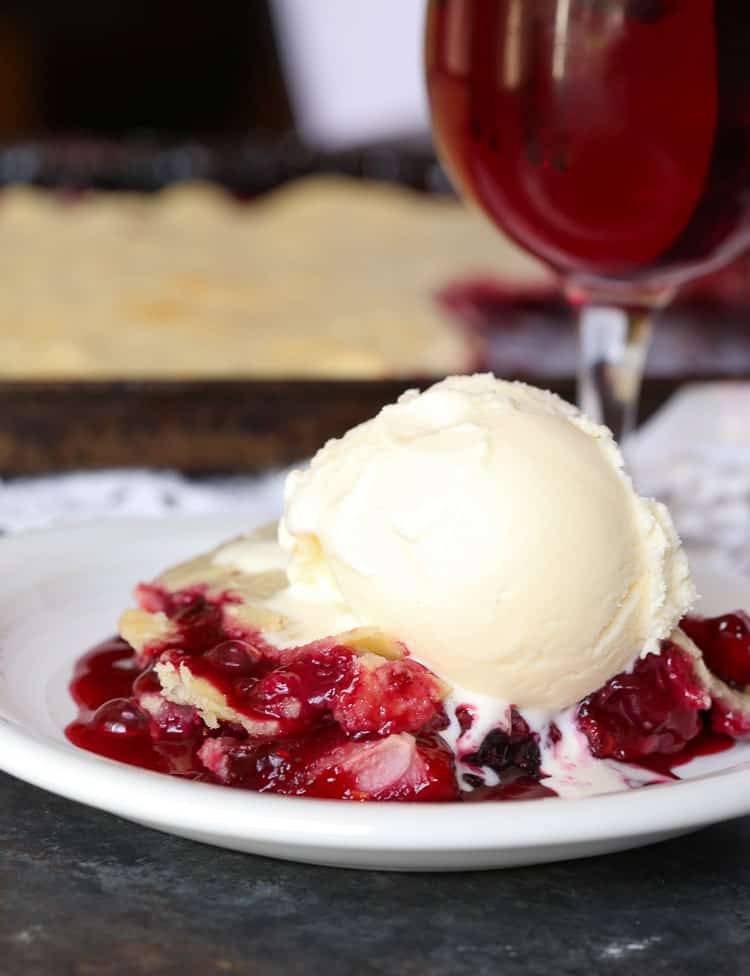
<point x="611" y="139"/>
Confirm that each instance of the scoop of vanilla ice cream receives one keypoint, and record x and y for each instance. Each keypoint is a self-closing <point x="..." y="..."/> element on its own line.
<point x="491" y="527"/>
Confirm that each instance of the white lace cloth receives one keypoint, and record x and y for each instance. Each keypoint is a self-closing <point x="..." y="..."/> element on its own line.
<point x="694" y="454"/>
<point x="35" y="502"/>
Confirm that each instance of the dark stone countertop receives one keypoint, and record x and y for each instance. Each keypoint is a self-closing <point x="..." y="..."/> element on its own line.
<point x="87" y="894"/>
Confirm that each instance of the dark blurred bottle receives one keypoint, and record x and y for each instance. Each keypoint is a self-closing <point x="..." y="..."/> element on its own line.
<point x="172" y="67"/>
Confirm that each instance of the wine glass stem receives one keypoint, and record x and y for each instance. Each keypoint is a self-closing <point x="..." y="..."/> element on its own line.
<point x="613" y="343"/>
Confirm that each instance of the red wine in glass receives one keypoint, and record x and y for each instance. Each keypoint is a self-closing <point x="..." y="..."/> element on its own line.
<point x="611" y="139"/>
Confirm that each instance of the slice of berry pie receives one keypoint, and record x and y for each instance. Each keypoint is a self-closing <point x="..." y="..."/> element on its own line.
<point x="464" y="600"/>
<point x="207" y="681"/>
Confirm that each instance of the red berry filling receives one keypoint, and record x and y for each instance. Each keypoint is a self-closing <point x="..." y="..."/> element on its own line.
<point x="107" y="671"/>
<point x="725" y="643"/>
<point x="321" y="685"/>
<point x="656" y="708"/>
<point x="662" y="706"/>
<point x="730" y="721"/>
<point x="198" y="621"/>
<point x="112" y="694"/>
<point x="330" y="722"/>
<point x="397" y="696"/>
<point x="324" y="721"/>
<point x="332" y="765"/>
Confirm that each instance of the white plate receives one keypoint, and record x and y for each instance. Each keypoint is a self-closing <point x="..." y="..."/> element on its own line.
<point x="62" y="591"/>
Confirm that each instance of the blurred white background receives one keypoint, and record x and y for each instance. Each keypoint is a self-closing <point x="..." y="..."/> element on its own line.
<point x="354" y="68"/>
